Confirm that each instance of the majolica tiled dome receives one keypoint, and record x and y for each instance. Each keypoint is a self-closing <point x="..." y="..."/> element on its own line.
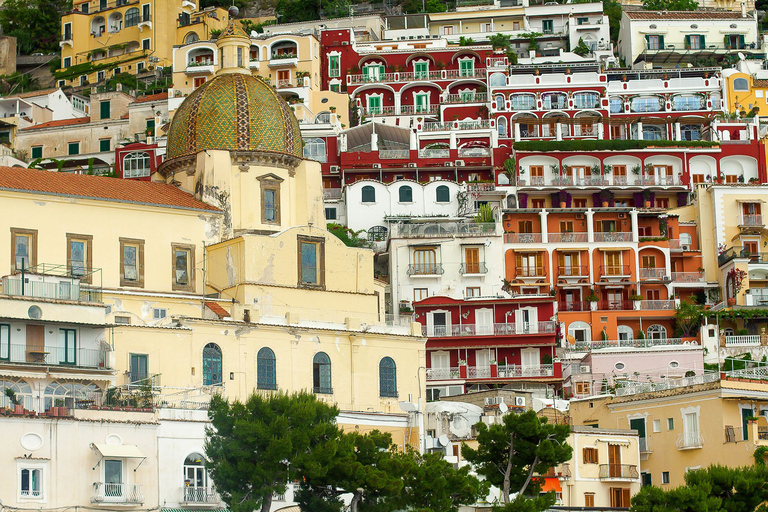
<point x="234" y="112"/>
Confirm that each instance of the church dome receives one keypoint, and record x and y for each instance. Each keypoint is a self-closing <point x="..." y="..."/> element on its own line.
<point x="234" y="112"/>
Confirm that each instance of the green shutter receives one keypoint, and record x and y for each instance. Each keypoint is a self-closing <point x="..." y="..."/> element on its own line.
<point x="701" y="42"/>
<point x="104" y="145"/>
<point x="741" y="41"/>
<point x="37" y="152"/>
<point x="687" y="42"/>
<point x="661" y="42"/>
<point x="647" y="42"/>
<point x="73" y="148"/>
<point x="105" y="110"/>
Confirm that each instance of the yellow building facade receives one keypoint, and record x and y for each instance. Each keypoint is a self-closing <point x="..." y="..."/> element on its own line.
<point x="744" y="93"/>
<point x="101" y="38"/>
<point x="220" y="277"/>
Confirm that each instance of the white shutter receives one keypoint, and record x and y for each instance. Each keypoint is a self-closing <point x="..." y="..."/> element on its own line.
<point x="440" y="360"/>
<point x="519" y="327"/>
<point x="484" y="321"/>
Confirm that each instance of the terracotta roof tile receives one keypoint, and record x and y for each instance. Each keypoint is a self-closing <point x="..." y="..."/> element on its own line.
<point x="98" y="187"/>
<point x="32" y="94"/>
<point x="217" y="309"/>
<point x="60" y="122"/>
<point x="758" y="82"/>
<point x="152" y="97"/>
<point x="684" y="15"/>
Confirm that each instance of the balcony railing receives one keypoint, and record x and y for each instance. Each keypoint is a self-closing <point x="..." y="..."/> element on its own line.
<point x="646" y="305"/>
<point x="615" y="236"/>
<point x="742" y="341"/>
<point x="529" y="271"/>
<point x="62" y="289"/>
<point x="409" y="110"/>
<point x="628" y="343"/>
<point x="199" y="495"/>
<point x="573" y="306"/>
<point x="752" y="220"/>
<point x="517" y="371"/>
<point x="443" y="373"/>
<point x="474" y="152"/>
<point x="425" y="269"/>
<point x="567" y="238"/>
<point x="117" y="493"/>
<point x="573" y="270"/>
<point x="443" y="229"/>
<point x="522" y="238"/>
<point x="502" y="329"/>
<point x="435" y="153"/>
<point x="615" y="305"/>
<point x="467" y="97"/>
<point x="652" y="274"/>
<point x="689" y="441"/>
<point x="55" y="356"/>
<point x="645" y="445"/>
<point x="474" y="268"/>
<point x="614" y="270"/>
<point x="458" y="125"/>
<point x="409" y="76"/>
<point x="392" y="154"/>
<point x="618" y="471"/>
<point x="331" y="193"/>
<point x="688" y="277"/>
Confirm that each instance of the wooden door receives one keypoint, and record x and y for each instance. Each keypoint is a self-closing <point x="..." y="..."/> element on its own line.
<point x="472" y="260"/>
<point x="35" y="342"/>
<point x="614" y="460"/>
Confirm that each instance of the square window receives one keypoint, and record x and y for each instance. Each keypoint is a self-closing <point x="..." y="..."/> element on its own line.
<point x="330" y="214"/>
<point x="139" y="67"/>
<point x="311" y="256"/>
<point x="67" y="62"/>
<point x="23" y="248"/>
<point x="420" y="294"/>
<point x="473" y="291"/>
<point x="131" y="262"/>
<point x="37" y="152"/>
<point x="105" y="145"/>
<point x="665" y="477"/>
<point x="183" y="264"/>
<point x="31" y="483"/>
<point x="670" y="424"/>
<point x="590" y="455"/>
<point x="657" y="425"/>
<point x="73" y="148"/>
<point x="159" y="313"/>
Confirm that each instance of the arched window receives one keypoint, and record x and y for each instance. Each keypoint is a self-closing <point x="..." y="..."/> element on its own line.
<point x="60" y="394"/>
<point x="497" y="80"/>
<point x="499" y="101"/>
<point x="387" y="378"/>
<point x="581" y="331"/>
<point x="323" y="118"/>
<point x="132" y="17"/>
<point x="685" y="239"/>
<point x="690" y="132"/>
<point x="443" y="194"/>
<point x="652" y="132"/>
<point x="657" y="332"/>
<point x="406" y="194"/>
<point x="740" y="84"/>
<point x="195" y="479"/>
<point x="265" y="369"/>
<point x="314" y="149"/>
<point x="501" y="126"/>
<point x="136" y="165"/>
<point x="211" y="365"/>
<point x="192" y="37"/>
<point x="20" y="387"/>
<point x="625" y="332"/>
<point x="321" y="373"/>
<point x="377" y="234"/>
<point x="369" y="194"/>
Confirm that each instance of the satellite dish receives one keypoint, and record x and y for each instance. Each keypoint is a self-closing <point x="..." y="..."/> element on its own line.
<point x="571" y="339"/>
<point x="443" y="440"/>
<point x="741" y="56"/>
<point x="503" y="408"/>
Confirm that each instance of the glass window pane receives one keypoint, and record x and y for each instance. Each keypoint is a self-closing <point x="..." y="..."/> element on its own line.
<point x="308" y="263"/>
<point x="22" y="251"/>
<point x="182" y="267"/>
<point x="130" y="270"/>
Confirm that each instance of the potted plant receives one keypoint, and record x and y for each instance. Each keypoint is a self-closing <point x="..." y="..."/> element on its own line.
<point x="595" y="170"/>
<point x="647" y="198"/>
<point x="562" y="198"/>
<point x="18" y="407"/>
<point x="592" y="297"/>
<point x="607" y="168"/>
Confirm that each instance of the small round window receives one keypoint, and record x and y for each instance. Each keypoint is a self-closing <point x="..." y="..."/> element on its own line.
<point x="35" y="313"/>
<point x="619" y="366"/>
<point x="674" y="364"/>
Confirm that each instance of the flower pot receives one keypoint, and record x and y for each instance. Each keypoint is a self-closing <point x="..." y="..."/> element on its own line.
<point x="562" y="204"/>
<point x="18" y="409"/>
<point x="647" y="204"/>
<point x="732" y="301"/>
<point x="605" y="204"/>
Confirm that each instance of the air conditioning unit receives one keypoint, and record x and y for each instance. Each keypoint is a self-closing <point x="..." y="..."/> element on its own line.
<point x="447" y="164"/>
<point x="489" y="400"/>
<point x="585" y="369"/>
<point x="520" y="400"/>
<point x="666" y="278"/>
<point x="411" y="164"/>
<point x="459" y="163"/>
<point x="686" y="247"/>
<point x="345" y="43"/>
<point x="622" y="215"/>
<point x="377" y="166"/>
<point x="334" y="169"/>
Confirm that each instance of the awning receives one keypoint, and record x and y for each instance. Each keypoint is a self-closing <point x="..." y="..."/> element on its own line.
<point x="6" y="372"/>
<point x="551" y="484"/>
<point x="82" y="376"/>
<point x="193" y="509"/>
<point x="120" y="451"/>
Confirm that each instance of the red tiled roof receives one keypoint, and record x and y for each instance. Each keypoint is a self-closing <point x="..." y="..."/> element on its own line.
<point x="98" y="187"/>
<point x="32" y="94"/>
<point x="152" y="97"/>
<point x="60" y="122"/>
<point x="684" y="15"/>
<point x="216" y="308"/>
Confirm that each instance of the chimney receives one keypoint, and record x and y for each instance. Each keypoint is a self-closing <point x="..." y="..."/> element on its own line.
<point x="743" y="9"/>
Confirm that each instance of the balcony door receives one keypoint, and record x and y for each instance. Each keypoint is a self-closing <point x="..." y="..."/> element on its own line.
<point x="614" y="460"/>
<point x="529" y="359"/>
<point x="526" y="321"/>
<point x="483" y="363"/>
<point x="35" y="343"/>
<point x="484" y="321"/>
<point x="439" y="324"/>
<point x="639" y="425"/>
<point x="195" y="479"/>
<point x="113" y="479"/>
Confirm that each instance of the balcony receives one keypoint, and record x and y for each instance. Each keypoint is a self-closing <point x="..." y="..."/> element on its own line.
<point x="410" y="76"/>
<point x="652" y="274"/>
<point x="656" y="305"/>
<point x="743" y="341"/>
<point x="505" y="329"/>
<point x="394" y="154"/>
<point x="689" y="441"/>
<point x="435" y="153"/>
<point x="573" y="271"/>
<point x="109" y="493"/>
<point x="616" y="236"/>
<point x="466" y="97"/>
<point x="567" y="238"/>
<point x="199" y="68"/>
<point x="742" y="252"/>
<point x="444" y="229"/>
<point x="192" y="496"/>
<point x="473" y="268"/>
<point x="283" y="60"/>
<point x="474" y="152"/>
<point x="484" y="124"/>
<point x="756" y="297"/>
<point x="58" y="282"/>
<point x="628" y="343"/>
<point x="411" y="110"/>
<point x="443" y="373"/>
<point x="618" y="472"/>
<point x="615" y="305"/>
<point x="645" y="445"/>
<point x="425" y="269"/>
<point x="480" y="187"/>
<point x="751" y="221"/>
<point x="529" y="272"/>
<point x="522" y="238"/>
<point x="511" y="371"/>
<point x="56" y="356"/>
<point x="687" y="277"/>
<point x="614" y="271"/>
<point x="331" y="193"/>
<point x="573" y="306"/>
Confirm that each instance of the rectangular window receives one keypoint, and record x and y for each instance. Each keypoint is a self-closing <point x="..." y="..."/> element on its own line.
<point x="239" y="57"/>
<point x="105" y="109"/>
<point x="466" y="67"/>
<point x="270" y="201"/>
<point x="37" y="152"/>
<point x="657" y="425"/>
<point x="583" y="388"/>
<point x="582" y="21"/>
<point x="619" y="497"/>
<point x="73" y="148"/>
<point x="420" y="294"/>
<point x="424" y="261"/>
<point x="589" y="499"/>
<point x="330" y="214"/>
<point x="537" y="203"/>
<point x="139" y="367"/>
<point x="525" y="226"/>
<point x="5" y="341"/>
<point x="183" y="265"/>
<point x="421" y="70"/>
<point x="139" y="67"/>
<point x="654" y="42"/>
<point x="670" y="424"/>
<point x="145" y="44"/>
<point x="579" y="203"/>
<point x="131" y="262"/>
<point x="548" y="26"/>
<point x="448" y="30"/>
<point x="31" y="483"/>
<point x="159" y="313"/>
<point x="105" y="145"/>
<point x="472" y="264"/>
<point x="67" y="62"/>
<point x="335" y="88"/>
<point x="311" y="255"/>
<point x="374" y="104"/>
<point x="472" y="291"/>
<point x="662" y="202"/>
<point x="665" y="477"/>
<point x="79" y="256"/>
<point x="123" y="320"/>
<point x="590" y="455"/>
<point x="23" y="248"/>
<point x="334" y="68"/>
<point x="67" y="346"/>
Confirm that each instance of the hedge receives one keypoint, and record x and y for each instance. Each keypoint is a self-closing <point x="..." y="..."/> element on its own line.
<point x="86" y="68"/>
<point x="606" y="145"/>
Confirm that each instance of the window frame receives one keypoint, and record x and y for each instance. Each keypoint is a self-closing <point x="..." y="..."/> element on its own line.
<point x="101" y="145"/>
<point x="270" y="183"/>
<point x="446" y="190"/>
<point x="26" y="466"/>
<point x="405" y="194"/>
<point x="87" y="241"/>
<point x="317" y="374"/>
<point x="34" y="150"/>
<point x="590" y="455"/>
<point x="334" y="71"/>
<point x="220" y="368"/>
<point x="103" y="110"/>
<point x="131" y="161"/>
<point x="363" y="190"/>
<point x="261" y="381"/>
<point x="190" y="250"/>
<point x="131" y="372"/>
<point x="71" y="145"/>
<point x="139" y="244"/>
<point x="32" y="234"/>
<point x="390" y="389"/>
<point x="319" y="242"/>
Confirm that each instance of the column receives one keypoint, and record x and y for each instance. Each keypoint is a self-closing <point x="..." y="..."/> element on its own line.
<point x="517" y="132"/>
<point x="544" y="230"/>
<point x="633" y="220"/>
<point x="452" y="140"/>
<point x="600" y="131"/>
<point x="590" y="226"/>
<point x="397" y="103"/>
<point x="559" y="133"/>
<point x="639" y="130"/>
<point x="678" y="132"/>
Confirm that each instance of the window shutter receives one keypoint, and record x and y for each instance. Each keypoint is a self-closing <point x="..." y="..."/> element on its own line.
<point x="701" y="42"/>
<point x="647" y="42"/>
<point x="561" y="260"/>
<point x="584" y="451"/>
<point x="687" y="41"/>
<point x="741" y="41"/>
<point x="625" y="497"/>
<point x="661" y="42"/>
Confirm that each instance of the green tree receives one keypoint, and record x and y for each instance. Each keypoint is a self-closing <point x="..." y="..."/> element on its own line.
<point x="290" y="11"/>
<point x="670" y="5"/>
<point x="687" y="318"/>
<point x="346" y="235"/>
<point x="581" y="49"/>
<point x="612" y="9"/>
<point x="336" y="8"/>
<point x="510" y="453"/>
<point x="500" y="41"/>
<point x="36" y="24"/>
<point x="255" y="448"/>
<point x="416" y="6"/>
